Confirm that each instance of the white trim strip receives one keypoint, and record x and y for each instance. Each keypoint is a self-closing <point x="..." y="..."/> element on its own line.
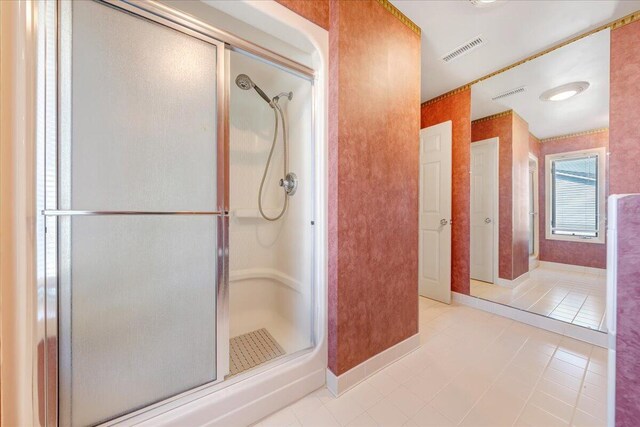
<point x="337" y="385"/>
<point x="552" y="325"/>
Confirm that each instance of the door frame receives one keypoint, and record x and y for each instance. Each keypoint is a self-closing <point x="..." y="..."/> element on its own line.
<point x="535" y="211"/>
<point x="495" y="144"/>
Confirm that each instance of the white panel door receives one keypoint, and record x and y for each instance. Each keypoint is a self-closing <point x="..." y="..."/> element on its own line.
<point x="435" y="212"/>
<point x="484" y="159"/>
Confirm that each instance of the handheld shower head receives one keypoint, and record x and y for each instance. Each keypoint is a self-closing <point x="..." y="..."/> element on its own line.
<point x="244" y="82"/>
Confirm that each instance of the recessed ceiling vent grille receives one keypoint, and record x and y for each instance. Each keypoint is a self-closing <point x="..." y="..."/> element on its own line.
<point x="509" y="93"/>
<point x="472" y="44"/>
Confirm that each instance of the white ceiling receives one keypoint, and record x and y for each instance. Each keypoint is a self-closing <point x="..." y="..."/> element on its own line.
<point x="512" y="30"/>
<point x="584" y="60"/>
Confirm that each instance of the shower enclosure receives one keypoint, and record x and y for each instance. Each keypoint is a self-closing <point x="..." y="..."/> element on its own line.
<point x="174" y="256"/>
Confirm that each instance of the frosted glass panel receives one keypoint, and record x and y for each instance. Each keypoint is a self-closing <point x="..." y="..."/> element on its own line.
<point x="143" y="292"/>
<point x="143" y="116"/>
<point x="137" y="293"/>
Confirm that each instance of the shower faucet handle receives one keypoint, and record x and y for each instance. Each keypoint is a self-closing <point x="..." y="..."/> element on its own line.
<point x="289" y="183"/>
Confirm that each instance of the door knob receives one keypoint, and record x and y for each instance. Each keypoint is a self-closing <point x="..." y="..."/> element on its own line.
<point x="487" y="220"/>
<point x="443" y="221"/>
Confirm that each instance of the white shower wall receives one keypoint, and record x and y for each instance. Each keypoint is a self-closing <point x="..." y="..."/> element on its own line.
<point x="271" y="263"/>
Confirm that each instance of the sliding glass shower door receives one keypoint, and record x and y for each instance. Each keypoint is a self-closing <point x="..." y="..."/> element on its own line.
<point x="135" y="211"/>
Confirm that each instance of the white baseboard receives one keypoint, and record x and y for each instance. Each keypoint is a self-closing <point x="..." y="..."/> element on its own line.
<point x="552" y="325"/>
<point x="572" y="268"/>
<point x="339" y="384"/>
<point x="512" y="283"/>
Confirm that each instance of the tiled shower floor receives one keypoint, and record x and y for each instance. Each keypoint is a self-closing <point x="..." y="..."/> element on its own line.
<point x="472" y="369"/>
<point x="573" y="297"/>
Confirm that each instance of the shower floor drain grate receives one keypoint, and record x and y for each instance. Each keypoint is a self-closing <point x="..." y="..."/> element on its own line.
<point x="252" y="349"/>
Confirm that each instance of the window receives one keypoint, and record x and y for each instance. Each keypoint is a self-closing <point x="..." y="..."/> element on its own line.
<point x="575" y="196"/>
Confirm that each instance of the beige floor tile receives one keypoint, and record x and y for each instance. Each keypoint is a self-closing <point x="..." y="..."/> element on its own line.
<point x="495" y="408"/>
<point x="567" y="368"/>
<point x="428" y="416"/>
<point x="345" y="408"/>
<point x="386" y="414"/>
<point x="559" y="391"/>
<point x="508" y="383"/>
<point x="532" y="416"/>
<point x="565" y="379"/>
<point x="459" y="396"/>
<point x="406" y="401"/>
<point x="383" y="382"/>
<point x="320" y="417"/>
<point x="364" y="420"/>
<point x="595" y="379"/>
<point x="578" y="361"/>
<point x="425" y="387"/>
<point x="582" y="419"/>
<point x="282" y="418"/>
<point x="365" y="394"/>
<point x="552" y="405"/>
<point x="305" y="405"/>
<point x="478" y="370"/>
<point x="572" y="297"/>
<point x="593" y="407"/>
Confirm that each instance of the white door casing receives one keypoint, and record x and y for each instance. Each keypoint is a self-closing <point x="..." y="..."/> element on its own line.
<point x="484" y="210"/>
<point x="434" y="268"/>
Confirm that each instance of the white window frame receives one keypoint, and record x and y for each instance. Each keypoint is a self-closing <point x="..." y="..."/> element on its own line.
<point x="601" y="153"/>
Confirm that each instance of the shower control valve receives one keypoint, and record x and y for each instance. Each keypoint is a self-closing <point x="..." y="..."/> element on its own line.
<point x="289" y="183"/>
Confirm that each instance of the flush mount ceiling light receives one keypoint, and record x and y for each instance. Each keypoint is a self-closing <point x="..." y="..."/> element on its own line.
<point x="482" y="3"/>
<point x="565" y="91"/>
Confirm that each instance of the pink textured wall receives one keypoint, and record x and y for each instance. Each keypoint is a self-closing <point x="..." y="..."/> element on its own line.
<point x="575" y="253"/>
<point x="521" y="209"/>
<point x="628" y="316"/>
<point x="316" y="11"/>
<point x="374" y="126"/>
<point x="457" y="108"/>
<point x="624" y="114"/>
<point x="534" y="146"/>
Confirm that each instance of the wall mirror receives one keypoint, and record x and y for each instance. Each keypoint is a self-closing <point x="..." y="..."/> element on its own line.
<point x="539" y="178"/>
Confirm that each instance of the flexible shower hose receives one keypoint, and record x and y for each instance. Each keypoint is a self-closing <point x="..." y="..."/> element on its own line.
<point x="266" y="167"/>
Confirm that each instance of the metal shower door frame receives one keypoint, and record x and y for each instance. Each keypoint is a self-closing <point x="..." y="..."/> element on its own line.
<point x="55" y="52"/>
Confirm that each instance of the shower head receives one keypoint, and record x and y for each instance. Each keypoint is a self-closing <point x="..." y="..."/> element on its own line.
<point x="244" y="82"/>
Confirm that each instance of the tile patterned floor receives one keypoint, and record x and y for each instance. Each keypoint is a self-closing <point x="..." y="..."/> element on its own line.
<point x="472" y="369"/>
<point x="573" y="297"/>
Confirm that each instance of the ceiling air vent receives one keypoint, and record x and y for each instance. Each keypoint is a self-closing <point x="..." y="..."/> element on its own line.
<point x="464" y="49"/>
<point x="509" y="93"/>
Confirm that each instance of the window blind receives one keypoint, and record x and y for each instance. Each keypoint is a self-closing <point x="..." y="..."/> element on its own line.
<point x="575" y="196"/>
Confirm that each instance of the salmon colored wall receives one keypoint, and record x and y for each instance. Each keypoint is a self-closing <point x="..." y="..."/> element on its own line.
<point x="534" y="146"/>
<point x="374" y="125"/>
<point x="575" y="253"/>
<point x="316" y="11"/>
<point x="520" y="147"/>
<point x="457" y="108"/>
<point x="624" y="114"/>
